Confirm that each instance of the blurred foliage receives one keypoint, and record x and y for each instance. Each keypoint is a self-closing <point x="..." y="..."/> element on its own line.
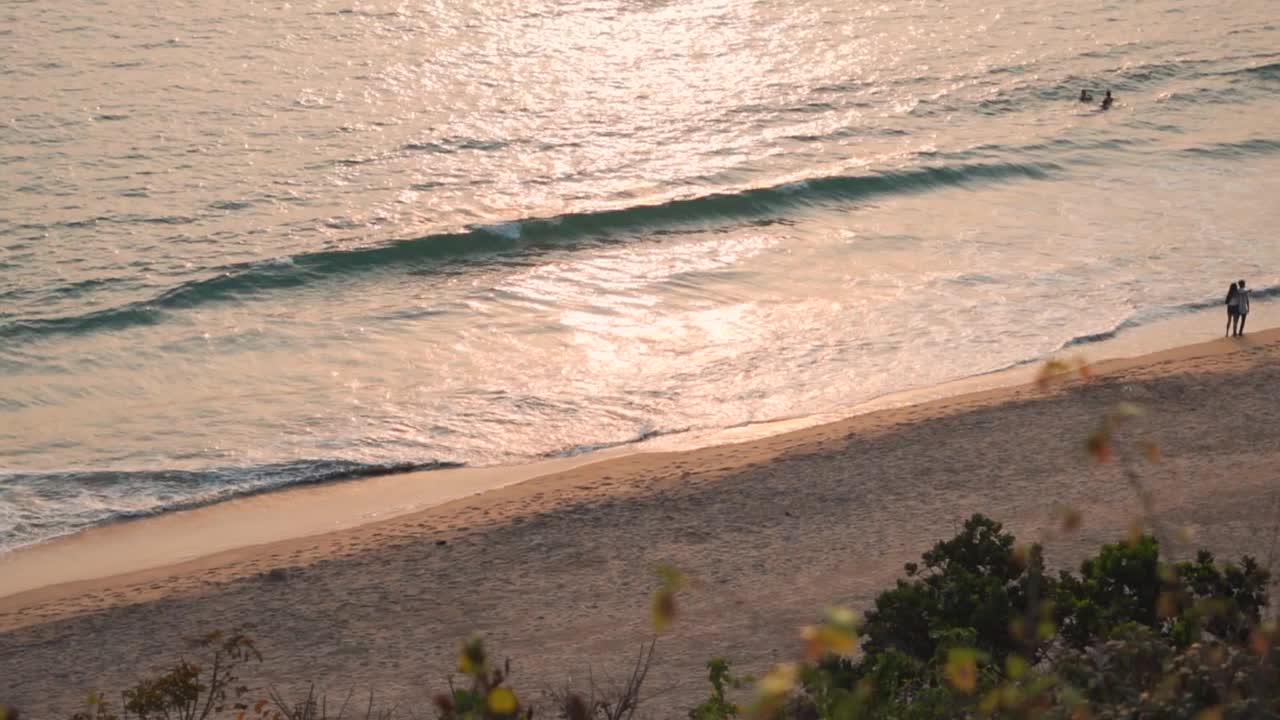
<point x="663" y="608"/>
<point x="485" y="696"/>
<point x="978" y="630"/>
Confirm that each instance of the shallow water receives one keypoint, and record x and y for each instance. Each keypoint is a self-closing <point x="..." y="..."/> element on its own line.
<point x="244" y="246"/>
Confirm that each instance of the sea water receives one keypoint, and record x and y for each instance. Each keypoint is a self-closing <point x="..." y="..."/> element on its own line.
<point x="246" y="245"/>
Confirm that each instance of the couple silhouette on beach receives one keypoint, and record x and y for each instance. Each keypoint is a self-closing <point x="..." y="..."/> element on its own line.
<point x="1237" y="308"/>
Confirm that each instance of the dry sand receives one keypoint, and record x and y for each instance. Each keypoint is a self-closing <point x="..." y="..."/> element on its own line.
<point x="556" y="572"/>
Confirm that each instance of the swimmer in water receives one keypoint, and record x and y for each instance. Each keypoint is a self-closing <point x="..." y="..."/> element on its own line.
<point x="1086" y="96"/>
<point x="1106" y="101"/>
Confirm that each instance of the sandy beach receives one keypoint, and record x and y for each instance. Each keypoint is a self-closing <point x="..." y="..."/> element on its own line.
<point x="556" y="571"/>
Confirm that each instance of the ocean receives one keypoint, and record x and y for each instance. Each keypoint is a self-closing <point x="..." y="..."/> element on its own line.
<point x="250" y="245"/>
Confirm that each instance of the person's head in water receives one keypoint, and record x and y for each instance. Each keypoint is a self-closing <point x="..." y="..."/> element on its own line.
<point x="1085" y="96"/>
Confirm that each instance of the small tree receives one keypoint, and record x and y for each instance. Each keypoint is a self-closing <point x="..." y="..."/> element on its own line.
<point x="978" y="580"/>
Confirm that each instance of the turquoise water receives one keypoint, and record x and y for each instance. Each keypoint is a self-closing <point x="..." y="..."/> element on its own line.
<point x="244" y="246"/>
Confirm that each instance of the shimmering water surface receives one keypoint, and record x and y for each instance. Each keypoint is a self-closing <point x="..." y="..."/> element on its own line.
<point x="245" y="245"/>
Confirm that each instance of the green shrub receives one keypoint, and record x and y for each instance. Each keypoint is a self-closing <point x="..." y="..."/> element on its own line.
<point x="1127" y="584"/>
<point x="978" y="580"/>
<point x="717" y="706"/>
<point x="980" y="631"/>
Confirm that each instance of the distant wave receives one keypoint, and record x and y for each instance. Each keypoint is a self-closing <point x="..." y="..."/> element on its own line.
<point x="1270" y="71"/>
<point x="1143" y="318"/>
<point x="441" y="146"/>
<point x="1138" y="75"/>
<point x="533" y="234"/>
<point x="1129" y="78"/>
<point x="1256" y="146"/>
<point x="189" y="489"/>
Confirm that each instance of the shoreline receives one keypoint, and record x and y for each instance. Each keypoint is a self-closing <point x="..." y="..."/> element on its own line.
<point x="555" y="571"/>
<point x="152" y="544"/>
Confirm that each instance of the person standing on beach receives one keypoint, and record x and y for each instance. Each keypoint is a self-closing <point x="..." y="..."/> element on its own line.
<point x="1233" y="308"/>
<point x="1242" y="306"/>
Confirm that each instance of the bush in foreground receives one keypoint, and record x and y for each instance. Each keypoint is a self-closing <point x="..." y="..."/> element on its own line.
<point x="982" y="631"/>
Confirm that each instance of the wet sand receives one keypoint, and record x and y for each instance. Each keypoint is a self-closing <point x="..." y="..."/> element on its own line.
<point x="556" y="571"/>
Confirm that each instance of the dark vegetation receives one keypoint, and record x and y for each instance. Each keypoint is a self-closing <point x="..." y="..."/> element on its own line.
<point x="980" y="630"/>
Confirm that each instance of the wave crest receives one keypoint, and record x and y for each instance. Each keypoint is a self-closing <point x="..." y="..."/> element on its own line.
<point x="528" y="235"/>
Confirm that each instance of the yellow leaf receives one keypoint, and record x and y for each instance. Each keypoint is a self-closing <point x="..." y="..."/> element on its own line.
<point x="839" y="634"/>
<point x="1082" y="712"/>
<point x="771" y="692"/>
<point x="962" y="670"/>
<point x="1018" y="629"/>
<point x="664" y="609"/>
<point x="778" y="681"/>
<point x="1124" y="409"/>
<point x="839" y="640"/>
<point x="1011" y="696"/>
<point x="1099" y="445"/>
<point x="502" y="701"/>
<point x="812" y="641"/>
<point x="1071" y="519"/>
<point x="1015" y="666"/>
<point x="1021" y="554"/>
<point x="842" y="617"/>
<point x="822" y="640"/>
<point x="472" y="659"/>
<point x="1050" y="371"/>
<point x="1083" y="369"/>
<point x="669" y="577"/>
<point x="1260" y="641"/>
